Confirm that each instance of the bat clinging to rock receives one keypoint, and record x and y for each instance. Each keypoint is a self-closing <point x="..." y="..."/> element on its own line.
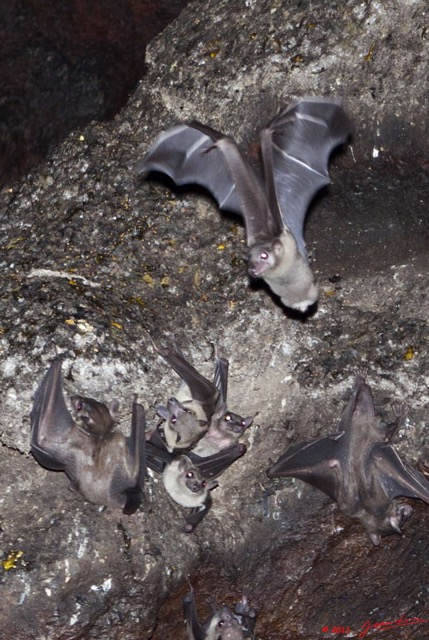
<point x="295" y="148"/>
<point x="223" y="625"/>
<point x="358" y="467"/>
<point x="198" y="418"/>
<point x="106" y="467"/>
<point x="189" y="479"/>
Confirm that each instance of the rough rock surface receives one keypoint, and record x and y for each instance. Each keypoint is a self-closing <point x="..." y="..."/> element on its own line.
<point x="92" y="259"/>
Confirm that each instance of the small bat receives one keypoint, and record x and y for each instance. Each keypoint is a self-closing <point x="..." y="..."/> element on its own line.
<point x="358" y="467"/>
<point x="199" y="414"/>
<point x="188" y="487"/>
<point x="106" y="467"/>
<point x="295" y="148"/>
<point x="189" y="479"/>
<point x="223" y="625"/>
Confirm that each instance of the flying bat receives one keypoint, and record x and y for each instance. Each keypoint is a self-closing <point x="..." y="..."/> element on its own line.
<point x="223" y="624"/>
<point x="199" y="414"/>
<point x="358" y="467"/>
<point x="295" y="149"/>
<point x="106" y="467"/>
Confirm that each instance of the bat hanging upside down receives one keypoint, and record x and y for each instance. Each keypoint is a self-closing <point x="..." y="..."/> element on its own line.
<point x="223" y="624"/>
<point x="295" y="148"/>
<point x="358" y="467"/>
<point x="106" y="467"/>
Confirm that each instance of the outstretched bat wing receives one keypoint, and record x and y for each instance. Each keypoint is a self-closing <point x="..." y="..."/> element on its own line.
<point x="397" y="477"/>
<point x="187" y="154"/>
<point x="197" y="154"/>
<point x="51" y="423"/>
<point x="316" y="462"/>
<point x="212" y="466"/>
<point x="295" y="149"/>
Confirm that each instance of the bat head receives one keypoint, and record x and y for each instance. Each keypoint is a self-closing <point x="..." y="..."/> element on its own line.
<point x="264" y="257"/>
<point x="186" y="484"/>
<point x="182" y="421"/>
<point x="235" y="424"/>
<point x="191" y="478"/>
<point x="388" y="522"/>
<point x="97" y="418"/>
<point x="224" y="625"/>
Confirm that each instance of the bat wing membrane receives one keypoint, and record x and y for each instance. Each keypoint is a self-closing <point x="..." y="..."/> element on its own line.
<point x="295" y="148"/>
<point x="212" y="466"/>
<point x="202" y="390"/>
<point x="136" y="450"/>
<point x="194" y="629"/>
<point x="186" y="154"/>
<point x="197" y="154"/>
<point x="51" y="422"/>
<point x="315" y="462"/>
<point x="397" y="477"/>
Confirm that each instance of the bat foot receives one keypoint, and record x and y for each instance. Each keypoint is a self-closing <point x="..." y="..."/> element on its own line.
<point x="399" y="410"/>
<point x="361" y="373"/>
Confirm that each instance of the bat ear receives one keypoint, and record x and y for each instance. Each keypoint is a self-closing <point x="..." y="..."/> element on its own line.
<point x="212" y="484"/>
<point x="202" y="423"/>
<point x="183" y="464"/>
<point x="114" y="407"/>
<point x="247" y="422"/>
<point x="162" y="412"/>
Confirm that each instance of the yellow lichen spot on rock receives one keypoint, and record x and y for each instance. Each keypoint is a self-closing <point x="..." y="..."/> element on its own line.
<point x="148" y="279"/>
<point x="72" y="283"/>
<point x="221" y="247"/>
<point x="81" y="138"/>
<point x="197" y="279"/>
<point x="14" y="242"/>
<point x="165" y="281"/>
<point x="117" y="325"/>
<point x="231" y="304"/>
<point x="11" y="560"/>
<point x="214" y="53"/>
<point x="70" y="321"/>
<point x="137" y="300"/>
<point x="409" y="354"/>
<point x="368" y="57"/>
<point x="330" y="292"/>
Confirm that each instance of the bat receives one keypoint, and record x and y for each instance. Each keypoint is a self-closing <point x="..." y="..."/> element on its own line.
<point x="295" y="150"/>
<point x="223" y="625"/>
<point x="106" y="467"/>
<point x="188" y="487"/>
<point x="189" y="479"/>
<point x="199" y="415"/>
<point x="358" y="467"/>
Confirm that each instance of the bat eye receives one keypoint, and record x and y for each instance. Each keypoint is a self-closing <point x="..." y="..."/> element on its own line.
<point x="264" y="255"/>
<point x="203" y="484"/>
<point x="173" y="420"/>
<point x="227" y="417"/>
<point x="190" y="474"/>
